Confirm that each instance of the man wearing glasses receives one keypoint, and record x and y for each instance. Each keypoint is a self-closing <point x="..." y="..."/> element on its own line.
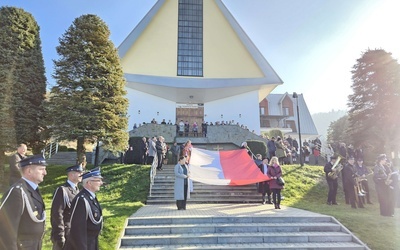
<point x="86" y="217"/>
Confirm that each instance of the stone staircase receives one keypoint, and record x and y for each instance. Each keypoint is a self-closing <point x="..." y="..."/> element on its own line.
<point x="163" y="191"/>
<point x="66" y="158"/>
<point x="223" y="217"/>
<point x="276" y="232"/>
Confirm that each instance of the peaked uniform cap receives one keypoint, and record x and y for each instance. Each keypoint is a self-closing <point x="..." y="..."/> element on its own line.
<point x="33" y="160"/>
<point x="76" y="168"/>
<point x="92" y="173"/>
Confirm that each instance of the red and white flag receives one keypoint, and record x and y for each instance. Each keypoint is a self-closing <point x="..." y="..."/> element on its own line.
<point x="232" y="167"/>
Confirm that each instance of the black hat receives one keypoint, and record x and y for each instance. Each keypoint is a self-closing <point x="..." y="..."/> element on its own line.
<point x="33" y="160"/>
<point x="92" y="173"/>
<point x="76" y="168"/>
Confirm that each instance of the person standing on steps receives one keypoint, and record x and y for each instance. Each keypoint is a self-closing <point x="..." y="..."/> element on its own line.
<point x="181" y="186"/>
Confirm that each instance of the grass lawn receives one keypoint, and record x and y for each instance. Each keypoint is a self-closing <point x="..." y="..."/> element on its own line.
<point x="306" y="188"/>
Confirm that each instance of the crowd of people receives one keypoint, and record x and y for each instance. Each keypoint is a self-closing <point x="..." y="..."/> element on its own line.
<point x="348" y="165"/>
<point x="76" y="215"/>
<point x="184" y="128"/>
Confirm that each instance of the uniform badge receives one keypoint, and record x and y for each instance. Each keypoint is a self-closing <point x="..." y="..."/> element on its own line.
<point x="35" y="213"/>
<point x="95" y="214"/>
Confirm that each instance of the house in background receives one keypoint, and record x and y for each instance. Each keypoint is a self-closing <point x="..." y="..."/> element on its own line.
<point x="279" y="111"/>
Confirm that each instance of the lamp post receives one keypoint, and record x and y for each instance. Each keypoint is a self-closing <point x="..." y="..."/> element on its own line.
<point x="298" y="125"/>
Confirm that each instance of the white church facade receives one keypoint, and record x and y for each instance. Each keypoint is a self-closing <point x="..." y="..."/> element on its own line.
<point x="190" y="59"/>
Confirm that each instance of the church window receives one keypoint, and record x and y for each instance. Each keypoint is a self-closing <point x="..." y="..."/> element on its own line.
<point x="190" y="38"/>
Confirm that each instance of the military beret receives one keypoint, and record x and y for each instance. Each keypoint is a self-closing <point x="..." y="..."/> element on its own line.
<point x="92" y="173"/>
<point x="76" y="168"/>
<point x="33" y="160"/>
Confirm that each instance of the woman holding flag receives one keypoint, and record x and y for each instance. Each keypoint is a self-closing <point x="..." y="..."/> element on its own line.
<point x="181" y="191"/>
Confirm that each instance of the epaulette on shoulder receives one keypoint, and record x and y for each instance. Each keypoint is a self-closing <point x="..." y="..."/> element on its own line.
<point x="18" y="186"/>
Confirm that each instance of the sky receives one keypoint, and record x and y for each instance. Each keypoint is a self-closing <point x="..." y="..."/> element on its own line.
<point x="311" y="44"/>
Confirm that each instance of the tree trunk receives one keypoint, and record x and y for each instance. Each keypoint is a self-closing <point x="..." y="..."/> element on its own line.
<point x="3" y="180"/>
<point x="81" y="152"/>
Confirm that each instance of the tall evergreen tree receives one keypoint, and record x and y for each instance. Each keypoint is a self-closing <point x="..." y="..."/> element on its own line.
<point x="337" y="131"/>
<point x="88" y="102"/>
<point x="374" y="114"/>
<point x="22" y="81"/>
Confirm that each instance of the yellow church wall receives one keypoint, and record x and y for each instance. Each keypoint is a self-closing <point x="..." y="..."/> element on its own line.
<point x="224" y="54"/>
<point x="155" y="51"/>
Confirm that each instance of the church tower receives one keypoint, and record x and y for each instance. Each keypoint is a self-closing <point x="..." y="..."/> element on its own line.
<point x="191" y="60"/>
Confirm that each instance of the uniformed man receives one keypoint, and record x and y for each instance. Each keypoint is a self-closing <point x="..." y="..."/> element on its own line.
<point x="61" y="206"/>
<point x="15" y="173"/>
<point x="22" y="211"/>
<point x="86" y="217"/>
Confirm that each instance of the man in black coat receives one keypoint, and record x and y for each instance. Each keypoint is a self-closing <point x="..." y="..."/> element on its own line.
<point x="349" y="183"/>
<point x="86" y="217"/>
<point x="61" y="206"/>
<point x="263" y="187"/>
<point x="15" y="173"/>
<point x="332" y="182"/>
<point x="22" y="211"/>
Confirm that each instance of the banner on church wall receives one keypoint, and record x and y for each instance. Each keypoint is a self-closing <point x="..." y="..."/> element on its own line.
<point x="232" y="167"/>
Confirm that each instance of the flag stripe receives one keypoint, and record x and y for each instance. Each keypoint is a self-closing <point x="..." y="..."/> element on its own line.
<point x="233" y="167"/>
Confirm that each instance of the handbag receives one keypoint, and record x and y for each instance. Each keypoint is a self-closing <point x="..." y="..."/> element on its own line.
<point x="280" y="181"/>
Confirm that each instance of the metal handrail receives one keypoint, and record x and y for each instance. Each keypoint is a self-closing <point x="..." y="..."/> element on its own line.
<point x="153" y="172"/>
<point x="49" y="150"/>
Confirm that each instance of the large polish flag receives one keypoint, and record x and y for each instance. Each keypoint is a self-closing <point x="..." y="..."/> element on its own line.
<point x="233" y="167"/>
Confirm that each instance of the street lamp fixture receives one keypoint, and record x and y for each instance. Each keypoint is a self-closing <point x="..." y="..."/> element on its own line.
<point x="298" y="125"/>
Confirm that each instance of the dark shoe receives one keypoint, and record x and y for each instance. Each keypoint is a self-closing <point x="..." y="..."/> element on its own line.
<point x="279" y="206"/>
<point x="270" y="202"/>
<point x="335" y="203"/>
<point x="329" y="203"/>
<point x="276" y="206"/>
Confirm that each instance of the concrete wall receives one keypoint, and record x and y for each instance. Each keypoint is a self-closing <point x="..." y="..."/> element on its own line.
<point x="227" y="136"/>
<point x="242" y="108"/>
<point x="148" y="105"/>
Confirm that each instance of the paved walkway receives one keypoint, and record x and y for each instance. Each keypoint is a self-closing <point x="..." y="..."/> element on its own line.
<point x="221" y="210"/>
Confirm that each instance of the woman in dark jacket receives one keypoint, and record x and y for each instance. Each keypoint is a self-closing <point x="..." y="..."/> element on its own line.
<point x="274" y="172"/>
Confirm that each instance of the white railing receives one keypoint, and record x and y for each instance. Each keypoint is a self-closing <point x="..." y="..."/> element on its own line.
<point x="153" y="172"/>
<point x="49" y="150"/>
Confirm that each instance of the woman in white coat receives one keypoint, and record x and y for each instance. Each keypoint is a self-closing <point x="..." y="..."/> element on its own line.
<point x="181" y="190"/>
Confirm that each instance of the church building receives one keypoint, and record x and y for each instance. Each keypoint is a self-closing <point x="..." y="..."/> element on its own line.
<point x="190" y="60"/>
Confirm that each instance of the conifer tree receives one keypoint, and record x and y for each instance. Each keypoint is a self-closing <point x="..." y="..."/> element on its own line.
<point x="88" y="101"/>
<point x="22" y="81"/>
<point x="374" y="115"/>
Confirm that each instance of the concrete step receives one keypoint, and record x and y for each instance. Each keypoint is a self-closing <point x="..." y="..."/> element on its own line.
<point x="66" y="158"/>
<point x="212" y="220"/>
<point x="231" y="228"/>
<point x="251" y="246"/>
<point x="235" y="238"/>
